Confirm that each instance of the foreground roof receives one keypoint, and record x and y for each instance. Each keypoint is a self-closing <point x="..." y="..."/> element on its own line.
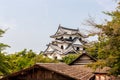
<point x="60" y="68"/>
<point x="67" y="70"/>
<point x="73" y="71"/>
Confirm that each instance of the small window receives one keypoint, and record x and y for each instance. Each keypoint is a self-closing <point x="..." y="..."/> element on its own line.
<point x="61" y="47"/>
<point x="70" y="38"/>
<point x="77" y="48"/>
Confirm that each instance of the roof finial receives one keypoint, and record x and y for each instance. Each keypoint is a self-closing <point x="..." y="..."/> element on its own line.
<point x="78" y="28"/>
<point x="59" y="25"/>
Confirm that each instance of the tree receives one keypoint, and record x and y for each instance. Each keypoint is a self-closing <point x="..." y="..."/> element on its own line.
<point x="21" y="60"/>
<point x="26" y="58"/>
<point x="108" y="48"/>
<point x="69" y="58"/>
<point x="4" y="65"/>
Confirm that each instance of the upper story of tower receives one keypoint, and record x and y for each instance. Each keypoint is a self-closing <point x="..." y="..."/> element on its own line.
<point x="67" y="34"/>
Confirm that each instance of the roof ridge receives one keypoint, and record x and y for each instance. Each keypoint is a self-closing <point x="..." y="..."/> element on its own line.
<point x="68" y="28"/>
<point x="49" y="63"/>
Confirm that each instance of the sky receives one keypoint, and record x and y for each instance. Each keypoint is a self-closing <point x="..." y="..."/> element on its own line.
<point x="30" y="23"/>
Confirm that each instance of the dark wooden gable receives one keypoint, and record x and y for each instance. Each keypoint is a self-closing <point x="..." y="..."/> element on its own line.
<point x="83" y="59"/>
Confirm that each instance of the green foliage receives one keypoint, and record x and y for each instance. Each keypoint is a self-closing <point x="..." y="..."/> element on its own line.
<point x="24" y="59"/>
<point x="1" y="32"/>
<point x="69" y="58"/>
<point x="4" y="66"/>
<point x="43" y="59"/>
<point x="109" y="44"/>
<point x="18" y="60"/>
<point x="3" y="47"/>
<point x="93" y="49"/>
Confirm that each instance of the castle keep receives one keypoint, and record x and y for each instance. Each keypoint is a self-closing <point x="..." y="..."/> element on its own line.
<point x="66" y="41"/>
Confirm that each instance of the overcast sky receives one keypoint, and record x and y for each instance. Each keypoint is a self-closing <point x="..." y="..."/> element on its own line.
<point x="31" y="22"/>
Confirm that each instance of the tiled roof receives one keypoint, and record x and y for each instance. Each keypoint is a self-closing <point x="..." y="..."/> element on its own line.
<point x="60" y="68"/>
<point x="58" y="50"/>
<point x="68" y="31"/>
<point x="64" y="28"/>
<point x="54" y="47"/>
<point x="78" y="73"/>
